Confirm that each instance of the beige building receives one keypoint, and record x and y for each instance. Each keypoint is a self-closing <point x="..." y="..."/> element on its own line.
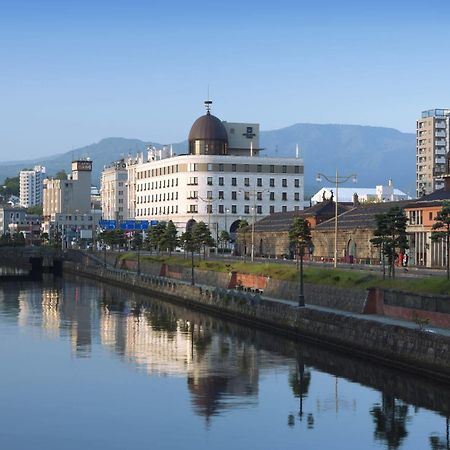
<point x="71" y="195"/>
<point x="114" y="193"/>
<point x="432" y="145"/>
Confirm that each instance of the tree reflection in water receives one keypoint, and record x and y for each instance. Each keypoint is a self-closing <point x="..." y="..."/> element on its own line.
<point x="390" y="420"/>
<point x="299" y="382"/>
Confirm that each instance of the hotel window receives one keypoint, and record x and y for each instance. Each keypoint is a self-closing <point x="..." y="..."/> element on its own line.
<point x="221" y="168"/>
<point x="284" y="182"/>
<point x="221" y="209"/>
<point x="297" y="182"/>
<point x="284" y="169"/>
<point x="284" y="196"/>
<point x="272" y="182"/>
<point x="192" y="181"/>
<point x="209" y="209"/>
<point x="234" y="182"/>
<point x="259" y="182"/>
<point x="246" y="195"/>
<point x="221" y="195"/>
<point x="271" y="209"/>
<point x="297" y="169"/>
<point x="246" y="181"/>
<point x="272" y="196"/>
<point x="209" y="181"/>
<point x="259" y="195"/>
<point x="272" y="169"/>
<point x="284" y="208"/>
<point x="209" y="195"/>
<point x="220" y="181"/>
<point x="192" y="167"/>
<point x="233" y="195"/>
<point x="233" y="167"/>
<point x="259" y="209"/>
<point x="192" y="209"/>
<point x="233" y="209"/>
<point x="259" y="168"/>
<point x="209" y="167"/>
<point x="296" y="196"/>
<point x="246" y="209"/>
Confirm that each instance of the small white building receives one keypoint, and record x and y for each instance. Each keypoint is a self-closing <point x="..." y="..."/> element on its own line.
<point x="31" y="184"/>
<point x="380" y="194"/>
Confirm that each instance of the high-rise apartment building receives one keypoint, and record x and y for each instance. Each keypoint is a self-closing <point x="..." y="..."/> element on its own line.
<point x="31" y="183"/>
<point x="432" y="145"/>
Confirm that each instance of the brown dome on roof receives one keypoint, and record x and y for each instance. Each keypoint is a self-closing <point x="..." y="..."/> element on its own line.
<point x="208" y="135"/>
<point x="208" y="128"/>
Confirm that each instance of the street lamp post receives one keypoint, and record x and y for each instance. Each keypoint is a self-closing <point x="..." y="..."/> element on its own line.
<point x="337" y="180"/>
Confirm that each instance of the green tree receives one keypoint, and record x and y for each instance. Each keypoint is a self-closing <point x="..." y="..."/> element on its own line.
<point x="136" y="240"/>
<point x="61" y="175"/>
<point x="441" y="231"/>
<point x="300" y="238"/>
<point x="189" y="245"/>
<point x="112" y="238"/>
<point x="154" y="237"/>
<point x="390" y="235"/>
<point x="37" y="210"/>
<point x="224" y="238"/>
<point x="169" y="239"/>
<point x="201" y="235"/>
<point x="242" y="235"/>
<point x="11" y="186"/>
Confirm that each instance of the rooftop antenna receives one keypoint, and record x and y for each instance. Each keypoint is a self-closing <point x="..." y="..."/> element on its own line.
<point x="208" y="103"/>
<point x="251" y="148"/>
<point x="297" y="151"/>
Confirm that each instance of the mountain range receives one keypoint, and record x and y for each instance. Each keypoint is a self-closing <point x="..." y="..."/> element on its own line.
<point x="375" y="154"/>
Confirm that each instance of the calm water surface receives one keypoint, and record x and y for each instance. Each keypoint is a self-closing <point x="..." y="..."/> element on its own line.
<point x="89" y="366"/>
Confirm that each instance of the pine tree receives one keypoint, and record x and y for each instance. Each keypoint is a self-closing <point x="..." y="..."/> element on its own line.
<point x="441" y="231"/>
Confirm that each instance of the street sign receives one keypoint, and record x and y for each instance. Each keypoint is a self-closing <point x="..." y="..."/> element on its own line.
<point x="107" y="224"/>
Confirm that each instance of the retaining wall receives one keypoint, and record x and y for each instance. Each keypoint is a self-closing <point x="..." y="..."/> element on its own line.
<point x="416" y="350"/>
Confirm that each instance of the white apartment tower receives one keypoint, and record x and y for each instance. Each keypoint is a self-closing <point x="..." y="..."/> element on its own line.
<point x="222" y="180"/>
<point x="432" y="146"/>
<point x="114" y="192"/>
<point x="31" y="183"/>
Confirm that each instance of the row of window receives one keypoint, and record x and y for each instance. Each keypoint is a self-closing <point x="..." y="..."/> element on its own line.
<point x="166" y="196"/>
<point x="193" y="195"/>
<point x="194" y="167"/>
<point x="193" y="209"/>
<point x="166" y="170"/>
<point x="193" y="181"/>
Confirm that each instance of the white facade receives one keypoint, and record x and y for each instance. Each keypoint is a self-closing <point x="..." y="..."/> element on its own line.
<point x="31" y="186"/>
<point x="219" y="190"/>
<point x="114" y="192"/>
<point x="380" y="193"/>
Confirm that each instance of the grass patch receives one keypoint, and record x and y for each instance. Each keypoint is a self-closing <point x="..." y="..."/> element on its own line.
<point x="353" y="278"/>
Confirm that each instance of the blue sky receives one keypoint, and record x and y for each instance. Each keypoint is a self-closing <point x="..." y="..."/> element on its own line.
<point x="73" y="72"/>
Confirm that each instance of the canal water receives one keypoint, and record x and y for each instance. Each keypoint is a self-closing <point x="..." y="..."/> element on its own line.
<point x="90" y="366"/>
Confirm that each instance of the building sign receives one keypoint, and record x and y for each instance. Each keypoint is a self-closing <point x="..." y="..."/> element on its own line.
<point x="84" y="166"/>
<point x="108" y="224"/>
<point x="130" y="225"/>
<point x="249" y="133"/>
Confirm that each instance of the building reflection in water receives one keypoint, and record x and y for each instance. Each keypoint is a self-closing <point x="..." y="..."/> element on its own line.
<point x="221" y="362"/>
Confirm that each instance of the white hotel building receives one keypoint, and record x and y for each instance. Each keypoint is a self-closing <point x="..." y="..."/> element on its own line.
<point x="221" y="181"/>
<point x="31" y="186"/>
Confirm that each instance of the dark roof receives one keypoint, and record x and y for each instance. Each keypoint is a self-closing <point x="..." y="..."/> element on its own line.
<point x="435" y="198"/>
<point x="362" y="216"/>
<point x="208" y="128"/>
<point x="282" y="221"/>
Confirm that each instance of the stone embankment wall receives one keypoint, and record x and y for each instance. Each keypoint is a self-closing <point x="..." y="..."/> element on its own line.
<point x="432" y="309"/>
<point x="410" y="348"/>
